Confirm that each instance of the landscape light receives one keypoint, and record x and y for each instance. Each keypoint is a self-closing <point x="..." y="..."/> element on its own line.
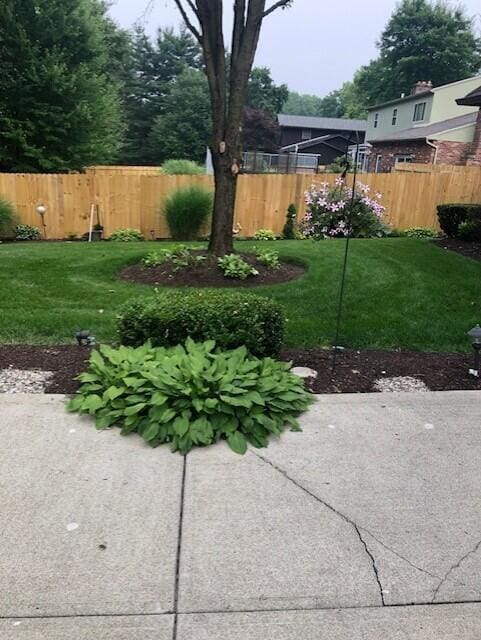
<point x="83" y="336"/>
<point x="475" y="336"/>
<point x="41" y="210"/>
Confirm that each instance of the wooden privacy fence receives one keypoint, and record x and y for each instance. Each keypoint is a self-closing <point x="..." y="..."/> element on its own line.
<point x="134" y="199"/>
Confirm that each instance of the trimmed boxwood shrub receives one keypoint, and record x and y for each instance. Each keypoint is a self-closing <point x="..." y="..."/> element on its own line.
<point x="451" y="216"/>
<point x="231" y="319"/>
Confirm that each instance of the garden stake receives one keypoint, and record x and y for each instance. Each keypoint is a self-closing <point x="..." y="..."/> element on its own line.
<point x="336" y="346"/>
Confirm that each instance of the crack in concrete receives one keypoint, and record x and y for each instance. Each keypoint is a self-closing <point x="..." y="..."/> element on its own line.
<point x="453" y="568"/>
<point x="338" y="513"/>
<point x="179" y="550"/>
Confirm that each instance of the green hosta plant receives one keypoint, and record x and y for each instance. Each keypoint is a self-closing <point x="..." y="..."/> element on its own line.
<point x="233" y="266"/>
<point x="126" y="235"/>
<point x="269" y="258"/>
<point x="421" y="232"/>
<point x="191" y="395"/>
<point x="180" y="257"/>
<point x="27" y="232"/>
<point x="264" y="234"/>
<point x="155" y="259"/>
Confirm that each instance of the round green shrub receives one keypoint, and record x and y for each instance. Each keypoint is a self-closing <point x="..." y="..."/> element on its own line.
<point x="191" y="395"/>
<point x="182" y="168"/>
<point x="126" y="235"/>
<point x="231" y="319"/>
<point x="8" y="218"/>
<point x="186" y="210"/>
<point x="451" y="216"/>
<point x="470" y="230"/>
<point x="27" y="232"/>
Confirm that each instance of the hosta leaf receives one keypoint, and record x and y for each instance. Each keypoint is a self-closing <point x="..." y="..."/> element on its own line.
<point x="134" y="409"/>
<point x="151" y="432"/>
<point x="92" y="403"/>
<point x="181" y="426"/>
<point x="76" y="403"/>
<point x="114" y="392"/>
<point x="237" y="442"/>
<point x="237" y="401"/>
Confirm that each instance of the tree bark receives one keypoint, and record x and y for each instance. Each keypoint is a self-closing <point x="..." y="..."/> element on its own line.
<point x="221" y="241"/>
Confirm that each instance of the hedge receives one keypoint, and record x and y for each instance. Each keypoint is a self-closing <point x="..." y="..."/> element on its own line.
<point x="231" y="319"/>
<point x="451" y="216"/>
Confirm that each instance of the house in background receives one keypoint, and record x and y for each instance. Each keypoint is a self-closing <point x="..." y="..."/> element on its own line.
<point x="439" y="125"/>
<point x="323" y="138"/>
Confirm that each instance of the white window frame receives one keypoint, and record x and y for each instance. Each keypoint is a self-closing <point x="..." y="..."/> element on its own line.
<point x="376" y="120"/>
<point x="378" y="162"/>
<point x="403" y="158"/>
<point x="394" y="117"/>
<point x="422" y="107"/>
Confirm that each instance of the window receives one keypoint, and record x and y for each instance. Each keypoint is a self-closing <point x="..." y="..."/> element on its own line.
<point x="402" y="157"/>
<point x="306" y="134"/>
<point x="419" y="111"/>
<point x="376" y="120"/>
<point x="394" y="117"/>
<point x="378" y="163"/>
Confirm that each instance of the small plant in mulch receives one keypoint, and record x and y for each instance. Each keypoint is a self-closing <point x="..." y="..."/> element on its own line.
<point x="180" y="257"/>
<point x="269" y="258"/>
<point x="234" y="266"/>
<point x="27" y="232"/>
<point x="191" y="395"/>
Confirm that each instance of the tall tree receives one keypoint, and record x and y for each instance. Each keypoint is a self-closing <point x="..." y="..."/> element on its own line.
<point x="299" y="104"/>
<point x="155" y="66"/>
<point x="228" y="94"/>
<point x="264" y="94"/>
<point x="422" y="41"/>
<point x="59" y="104"/>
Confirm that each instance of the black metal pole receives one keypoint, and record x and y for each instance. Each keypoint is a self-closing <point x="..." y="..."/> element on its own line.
<point x="346" y="249"/>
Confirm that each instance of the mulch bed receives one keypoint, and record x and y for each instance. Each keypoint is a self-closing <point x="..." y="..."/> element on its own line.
<point x="209" y="275"/>
<point x="355" y="371"/>
<point x="465" y="248"/>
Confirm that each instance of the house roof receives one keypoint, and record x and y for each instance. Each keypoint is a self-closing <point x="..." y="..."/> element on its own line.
<point x="310" y="122"/>
<point x="305" y="144"/>
<point x="473" y="99"/>
<point x="416" y="96"/>
<point x="429" y="130"/>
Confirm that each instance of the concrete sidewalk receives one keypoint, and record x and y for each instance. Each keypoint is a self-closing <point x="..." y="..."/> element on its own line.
<point x="366" y="525"/>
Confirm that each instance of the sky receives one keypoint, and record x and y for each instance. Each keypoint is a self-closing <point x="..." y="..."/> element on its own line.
<point x="313" y="47"/>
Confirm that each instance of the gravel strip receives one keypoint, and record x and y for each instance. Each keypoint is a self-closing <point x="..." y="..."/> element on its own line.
<point x="399" y="383"/>
<point x="23" y="381"/>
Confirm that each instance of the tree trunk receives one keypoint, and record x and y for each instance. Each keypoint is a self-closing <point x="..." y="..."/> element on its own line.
<point x="221" y="241"/>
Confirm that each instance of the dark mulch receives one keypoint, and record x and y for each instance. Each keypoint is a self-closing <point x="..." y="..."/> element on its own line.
<point x="209" y="275"/>
<point x="355" y="372"/>
<point x="465" y="248"/>
<point x="67" y="361"/>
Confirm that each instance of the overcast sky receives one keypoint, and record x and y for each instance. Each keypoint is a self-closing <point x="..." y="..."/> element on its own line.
<point x="313" y="47"/>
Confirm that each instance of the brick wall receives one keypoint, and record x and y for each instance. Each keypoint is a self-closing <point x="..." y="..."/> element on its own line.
<point x="474" y="157"/>
<point x="420" y="151"/>
<point x="454" y="153"/>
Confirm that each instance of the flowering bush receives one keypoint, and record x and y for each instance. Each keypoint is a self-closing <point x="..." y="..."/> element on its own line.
<point x="330" y="214"/>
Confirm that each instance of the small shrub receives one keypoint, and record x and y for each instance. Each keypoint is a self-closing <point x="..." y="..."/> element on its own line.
<point x="396" y="233"/>
<point x="289" y="231"/>
<point x="269" y="258"/>
<point x="27" y="232"/>
<point x="180" y="256"/>
<point x="8" y="218"/>
<point x="264" y="234"/>
<point x="470" y="230"/>
<point x="420" y="232"/>
<point x="234" y="266"/>
<point x="191" y="395"/>
<point x="231" y="319"/>
<point x="451" y="216"/>
<point x="126" y="235"/>
<point x="186" y="210"/>
<point x="72" y="236"/>
<point x="182" y="168"/>
<point x="333" y="212"/>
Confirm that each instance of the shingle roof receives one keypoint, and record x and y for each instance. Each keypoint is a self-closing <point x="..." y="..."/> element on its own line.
<point x="416" y="96"/>
<point x="310" y="122"/>
<point x="472" y="99"/>
<point x="430" y="130"/>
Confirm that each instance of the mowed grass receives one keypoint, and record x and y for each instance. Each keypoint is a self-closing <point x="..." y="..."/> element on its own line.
<point x="401" y="293"/>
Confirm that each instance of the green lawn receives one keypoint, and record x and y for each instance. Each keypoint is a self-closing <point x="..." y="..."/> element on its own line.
<point x="401" y="293"/>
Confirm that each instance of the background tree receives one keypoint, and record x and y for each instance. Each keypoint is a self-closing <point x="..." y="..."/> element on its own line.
<point x="228" y="94"/>
<point x="59" y="103"/>
<point x="263" y="93"/>
<point x="184" y="127"/>
<point x="422" y="41"/>
<point x="261" y="131"/>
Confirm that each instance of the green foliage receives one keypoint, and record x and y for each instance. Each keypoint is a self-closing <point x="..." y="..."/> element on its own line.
<point x="191" y="395"/>
<point x="470" y="230"/>
<point x="180" y="257"/>
<point x="229" y="318"/>
<point x="234" y="266"/>
<point x="264" y="234"/>
<point x="421" y="232"/>
<point x="186" y="210"/>
<point x="340" y="163"/>
<point x="422" y="41"/>
<point x="27" y="232"/>
<point x="183" y="128"/>
<point x="269" y="258"/>
<point x="289" y="231"/>
<point x="59" y="102"/>
<point x="263" y="94"/>
<point x="182" y="168"/>
<point x="8" y="218"/>
<point x="451" y="216"/>
<point x="126" y="235"/>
